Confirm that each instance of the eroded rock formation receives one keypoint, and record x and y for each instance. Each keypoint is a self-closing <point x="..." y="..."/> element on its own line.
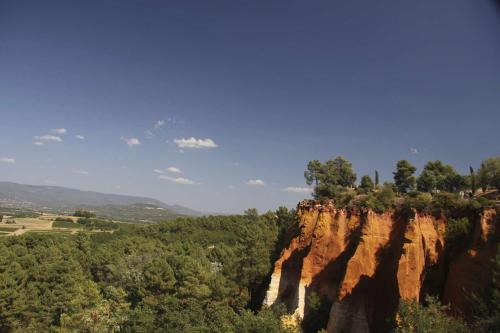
<point x="363" y="263"/>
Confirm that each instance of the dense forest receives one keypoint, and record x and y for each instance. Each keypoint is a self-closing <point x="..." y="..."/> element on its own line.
<point x="205" y="274"/>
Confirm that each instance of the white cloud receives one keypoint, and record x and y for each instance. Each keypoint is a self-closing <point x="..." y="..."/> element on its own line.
<point x="80" y="137"/>
<point x="48" y="138"/>
<point x="58" y="131"/>
<point x="159" y="124"/>
<point x="195" y="143"/>
<point x="293" y="189"/>
<point x="80" y="172"/>
<point x="256" y="182"/>
<point x="149" y="134"/>
<point x="178" y="180"/>
<point x="158" y="171"/>
<point x="7" y="160"/>
<point x="132" y="141"/>
<point x="173" y="170"/>
<point x="38" y="143"/>
<point x="414" y="151"/>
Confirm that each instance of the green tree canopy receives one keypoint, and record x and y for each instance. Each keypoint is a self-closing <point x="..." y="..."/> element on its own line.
<point x="439" y="176"/>
<point x="403" y="177"/>
<point x="330" y="178"/>
<point x="366" y="183"/>
<point x="314" y="172"/>
<point x="489" y="173"/>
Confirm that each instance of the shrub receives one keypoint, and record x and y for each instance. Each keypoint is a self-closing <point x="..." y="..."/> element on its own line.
<point x="83" y="213"/>
<point x="85" y="221"/>
<point x="414" y="317"/>
<point x="457" y="233"/>
<point x="63" y="219"/>
<point x="317" y="314"/>
<point x="422" y="202"/>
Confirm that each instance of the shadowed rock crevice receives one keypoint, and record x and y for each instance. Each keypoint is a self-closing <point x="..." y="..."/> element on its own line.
<point x="288" y="292"/>
<point x="326" y="283"/>
<point x="373" y="301"/>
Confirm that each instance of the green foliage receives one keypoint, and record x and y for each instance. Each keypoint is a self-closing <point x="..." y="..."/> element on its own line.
<point x="421" y="202"/>
<point x="330" y="178"/>
<point x="97" y="224"/>
<point x="314" y="172"/>
<point x="415" y="318"/>
<point x="403" y="177"/>
<point x="134" y="213"/>
<point x="457" y="233"/>
<point x="317" y="315"/>
<point x="252" y="213"/>
<point x="437" y="176"/>
<point x="187" y="275"/>
<point x="83" y="213"/>
<point x="366" y="184"/>
<point x="489" y="173"/>
<point x="472" y="177"/>
<point x="379" y="201"/>
<point x="63" y="219"/>
<point x="66" y="224"/>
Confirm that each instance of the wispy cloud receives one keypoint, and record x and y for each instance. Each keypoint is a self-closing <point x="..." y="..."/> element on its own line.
<point x="48" y="138"/>
<point x="80" y="137"/>
<point x="38" y="143"/>
<point x="293" y="189"/>
<point x="414" y="151"/>
<point x="256" y="182"/>
<point x="158" y="171"/>
<point x="173" y="170"/>
<point x="79" y="172"/>
<point x="178" y="180"/>
<point x="159" y="124"/>
<point x="149" y="134"/>
<point x="195" y="143"/>
<point x="131" y="142"/>
<point x="58" y="131"/>
<point x="7" y="160"/>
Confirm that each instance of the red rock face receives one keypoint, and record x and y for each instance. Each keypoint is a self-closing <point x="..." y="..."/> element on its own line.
<point x="423" y="245"/>
<point x="363" y="263"/>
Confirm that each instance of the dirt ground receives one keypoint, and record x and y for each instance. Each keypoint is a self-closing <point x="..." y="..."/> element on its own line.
<point x="42" y="223"/>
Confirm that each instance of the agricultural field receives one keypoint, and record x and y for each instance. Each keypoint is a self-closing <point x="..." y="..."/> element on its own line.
<point x="43" y="223"/>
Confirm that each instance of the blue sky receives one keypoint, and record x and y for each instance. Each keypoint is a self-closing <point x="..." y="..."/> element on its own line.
<point x="262" y="87"/>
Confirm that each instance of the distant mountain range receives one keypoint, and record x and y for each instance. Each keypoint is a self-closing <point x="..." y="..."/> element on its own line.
<point x="62" y="198"/>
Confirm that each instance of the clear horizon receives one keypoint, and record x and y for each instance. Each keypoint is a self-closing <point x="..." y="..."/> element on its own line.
<point x="219" y="106"/>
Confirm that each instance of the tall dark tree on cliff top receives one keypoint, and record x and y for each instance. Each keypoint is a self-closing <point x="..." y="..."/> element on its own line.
<point x="403" y="177"/>
<point x="473" y="184"/>
<point x="376" y="178"/>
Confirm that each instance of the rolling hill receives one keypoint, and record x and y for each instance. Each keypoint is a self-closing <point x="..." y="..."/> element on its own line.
<point x="62" y="198"/>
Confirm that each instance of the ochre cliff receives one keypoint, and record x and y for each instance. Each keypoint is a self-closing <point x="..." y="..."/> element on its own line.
<point x="363" y="263"/>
